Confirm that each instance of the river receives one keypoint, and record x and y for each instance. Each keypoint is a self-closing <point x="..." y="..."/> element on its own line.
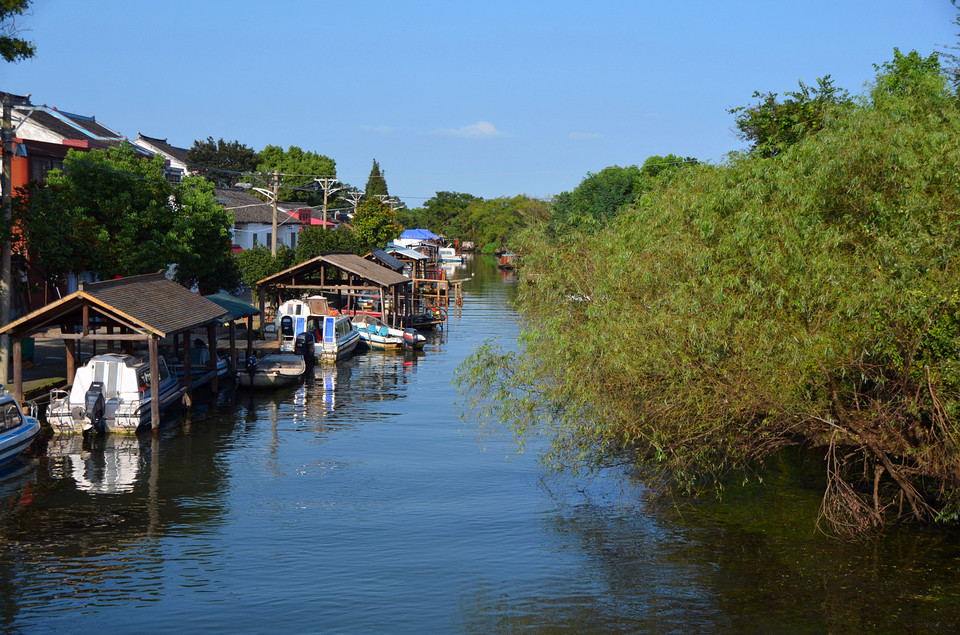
<point x="360" y="502"/>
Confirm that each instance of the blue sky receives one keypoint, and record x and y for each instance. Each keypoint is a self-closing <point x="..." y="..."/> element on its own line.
<point x="488" y="98"/>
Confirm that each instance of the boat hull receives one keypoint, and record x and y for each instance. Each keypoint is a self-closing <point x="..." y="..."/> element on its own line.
<point x="17" y="439"/>
<point x="127" y="400"/>
<point x="274" y="371"/>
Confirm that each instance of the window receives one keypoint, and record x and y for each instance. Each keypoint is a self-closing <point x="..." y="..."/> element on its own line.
<point x="9" y="416"/>
<point x="256" y="240"/>
<point x="293" y="240"/>
<point x="269" y="239"/>
<point x="39" y="166"/>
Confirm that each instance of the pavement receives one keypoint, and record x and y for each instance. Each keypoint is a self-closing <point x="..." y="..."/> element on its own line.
<point x="47" y="369"/>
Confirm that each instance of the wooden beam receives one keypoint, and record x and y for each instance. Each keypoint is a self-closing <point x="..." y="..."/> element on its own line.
<point x="154" y="385"/>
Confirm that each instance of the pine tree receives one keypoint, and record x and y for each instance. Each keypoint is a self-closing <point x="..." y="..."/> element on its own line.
<point x="376" y="183"/>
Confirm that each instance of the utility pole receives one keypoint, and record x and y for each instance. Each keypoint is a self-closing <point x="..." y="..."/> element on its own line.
<point x="5" y="277"/>
<point x="355" y="199"/>
<point x="327" y="184"/>
<point x="276" y="188"/>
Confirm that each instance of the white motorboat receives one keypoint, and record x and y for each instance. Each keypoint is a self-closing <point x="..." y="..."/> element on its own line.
<point x="449" y="254"/>
<point x="275" y="370"/>
<point x="333" y="333"/>
<point x="17" y="430"/>
<point x="112" y="393"/>
<point x="379" y="336"/>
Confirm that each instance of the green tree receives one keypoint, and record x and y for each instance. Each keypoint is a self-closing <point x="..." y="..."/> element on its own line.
<point x="951" y="58"/>
<point x="113" y="212"/>
<point x="770" y="126"/>
<point x="314" y="241"/>
<point x="258" y="263"/>
<point x="375" y="223"/>
<point x="201" y="246"/>
<point x="811" y="300"/>
<point x="221" y="162"/>
<point x="444" y="214"/>
<point x="299" y="168"/>
<point x="12" y="47"/>
<point x="376" y="183"/>
<point x="597" y="199"/>
<point x="497" y="222"/>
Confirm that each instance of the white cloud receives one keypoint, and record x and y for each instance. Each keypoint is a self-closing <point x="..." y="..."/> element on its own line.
<point x="383" y="130"/>
<point x="479" y="130"/>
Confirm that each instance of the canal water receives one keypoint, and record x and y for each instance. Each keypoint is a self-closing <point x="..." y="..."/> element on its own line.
<point x="360" y="502"/>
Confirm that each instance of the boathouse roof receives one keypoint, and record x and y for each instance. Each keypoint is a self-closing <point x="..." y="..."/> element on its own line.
<point x="304" y="274"/>
<point x="149" y="304"/>
<point x="381" y="256"/>
<point x="236" y="309"/>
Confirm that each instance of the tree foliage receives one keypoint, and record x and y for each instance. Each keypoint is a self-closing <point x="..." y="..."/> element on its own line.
<point x="12" y="47"/>
<point x="221" y="162"/>
<point x="299" y="169"/>
<point x="314" y="241"/>
<point x="376" y="183"/>
<point x="258" y="263"/>
<point x="375" y="223"/>
<point x="112" y="212"/>
<point x="770" y="126"/>
<point x="812" y="297"/>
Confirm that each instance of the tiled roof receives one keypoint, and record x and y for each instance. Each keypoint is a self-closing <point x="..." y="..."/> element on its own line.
<point x="247" y="208"/>
<point x="180" y="154"/>
<point x="91" y="125"/>
<point x="349" y="263"/>
<point x="149" y="304"/>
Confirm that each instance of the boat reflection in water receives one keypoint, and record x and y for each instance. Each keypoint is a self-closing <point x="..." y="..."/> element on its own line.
<point x="101" y="465"/>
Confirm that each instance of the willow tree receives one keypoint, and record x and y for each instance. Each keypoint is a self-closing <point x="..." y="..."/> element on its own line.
<point x="810" y="298"/>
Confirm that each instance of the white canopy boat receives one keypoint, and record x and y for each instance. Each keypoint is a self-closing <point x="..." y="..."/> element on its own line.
<point x="112" y="393"/>
<point x="333" y="333"/>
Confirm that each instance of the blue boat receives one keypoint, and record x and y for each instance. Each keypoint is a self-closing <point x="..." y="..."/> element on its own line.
<point x="17" y="430"/>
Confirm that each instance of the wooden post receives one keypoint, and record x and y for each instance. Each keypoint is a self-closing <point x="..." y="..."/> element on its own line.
<point x="17" y="370"/>
<point x="71" y="354"/>
<point x="233" y="347"/>
<point x="212" y="345"/>
<point x="187" y="374"/>
<point x="154" y="384"/>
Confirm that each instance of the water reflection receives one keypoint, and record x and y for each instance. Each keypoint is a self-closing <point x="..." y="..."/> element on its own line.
<point x="101" y="465"/>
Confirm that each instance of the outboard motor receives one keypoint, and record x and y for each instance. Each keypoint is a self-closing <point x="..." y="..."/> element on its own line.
<point x="95" y="406"/>
<point x="306" y="346"/>
<point x="251" y="366"/>
<point x="410" y="338"/>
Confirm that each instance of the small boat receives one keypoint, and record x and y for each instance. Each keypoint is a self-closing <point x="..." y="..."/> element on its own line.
<point x="449" y="254"/>
<point x="334" y="335"/>
<point x="381" y="337"/>
<point x="17" y="430"/>
<point x="508" y="261"/>
<point x="111" y="392"/>
<point x="275" y="370"/>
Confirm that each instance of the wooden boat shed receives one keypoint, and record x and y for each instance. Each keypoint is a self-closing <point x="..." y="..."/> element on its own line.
<point x="138" y="309"/>
<point x="345" y="274"/>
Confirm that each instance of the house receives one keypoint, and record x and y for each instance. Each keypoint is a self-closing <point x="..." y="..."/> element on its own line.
<point x="42" y="137"/>
<point x="176" y="158"/>
<point x="253" y="219"/>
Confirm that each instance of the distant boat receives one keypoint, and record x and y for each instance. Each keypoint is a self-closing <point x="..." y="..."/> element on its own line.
<point x="275" y="370"/>
<point x="17" y="430"/>
<point x="449" y="254"/>
<point x="335" y="337"/>
<point x="381" y="337"/>
<point x="508" y="261"/>
<point x="112" y="393"/>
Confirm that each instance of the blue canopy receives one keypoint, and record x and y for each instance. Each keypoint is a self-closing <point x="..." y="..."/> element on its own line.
<point x="419" y="234"/>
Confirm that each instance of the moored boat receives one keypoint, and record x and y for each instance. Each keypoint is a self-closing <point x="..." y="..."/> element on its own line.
<point x="17" y="429"/>
<point x="275" y="370"/>
<point x="333" y="332"/>
<point x="379" y="336"/>
<point x="449" y="254"/>
<point x="112" y="393"/>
